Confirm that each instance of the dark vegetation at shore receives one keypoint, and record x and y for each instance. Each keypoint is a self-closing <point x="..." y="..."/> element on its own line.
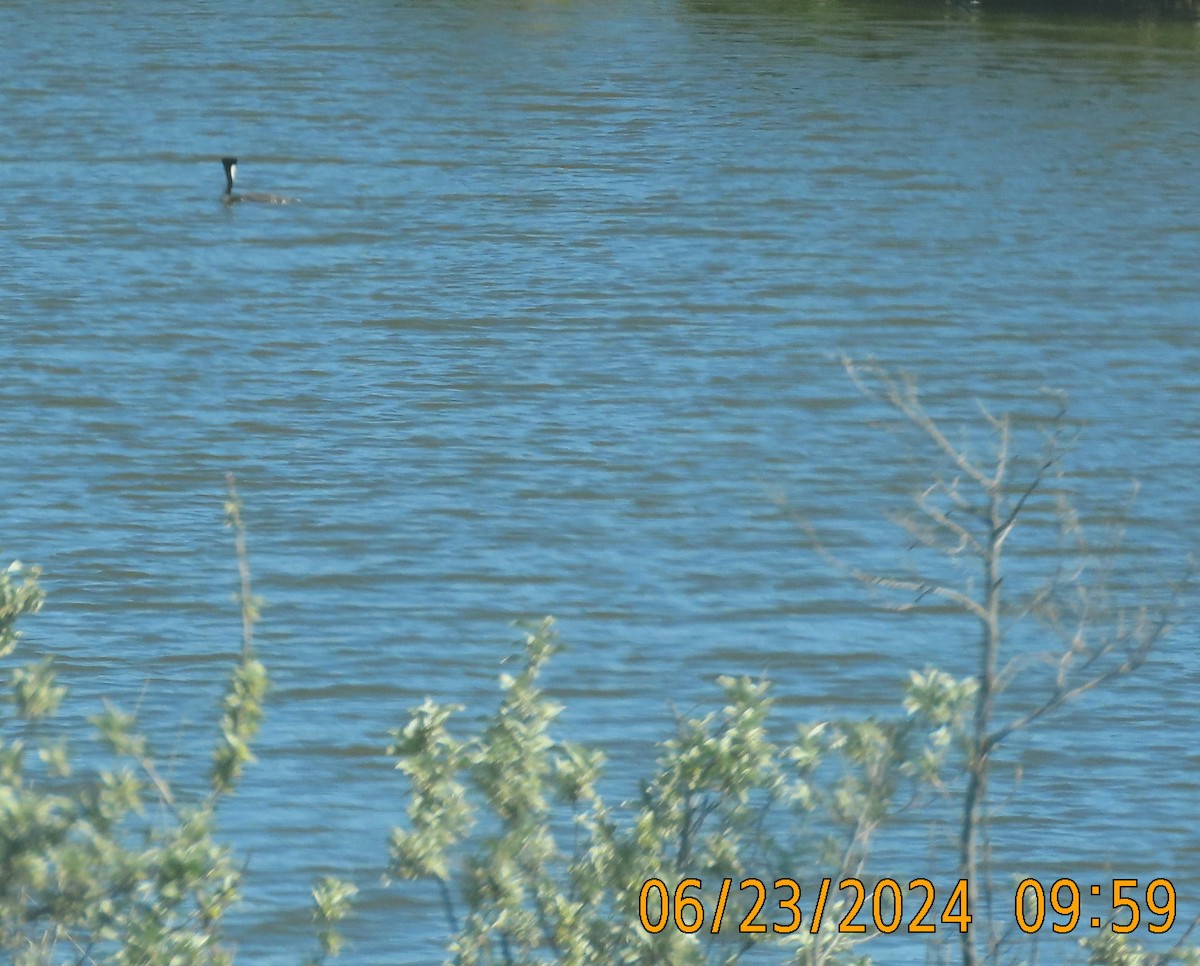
<point x="1081" y="10"/>
<point x="1178" y="10"/>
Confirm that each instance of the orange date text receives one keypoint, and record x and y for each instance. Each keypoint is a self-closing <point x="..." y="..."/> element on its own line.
<point x="853" y="907"/>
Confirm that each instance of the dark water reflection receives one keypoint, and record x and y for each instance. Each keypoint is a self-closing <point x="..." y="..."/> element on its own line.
<point x="561" y="307"/>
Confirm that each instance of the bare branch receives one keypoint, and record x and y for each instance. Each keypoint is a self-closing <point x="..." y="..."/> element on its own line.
<point x="959" y="501"/>
<point x="249" y="608"/>
<point x="922" y="589"/>
<point x="922" y="535"/>
<point x="905" y="400"/>
<point x="1011" y="520"/>
<point x="1000" y="426"/>
<point x="1100" y="642"/>
<point x="1134" y="659"/>
<point x="965" y="537"/>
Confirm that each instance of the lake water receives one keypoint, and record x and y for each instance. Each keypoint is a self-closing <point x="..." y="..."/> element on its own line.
<point x="560" y="310"/>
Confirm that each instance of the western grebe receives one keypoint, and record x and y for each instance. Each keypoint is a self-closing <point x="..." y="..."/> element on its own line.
<point x="230" y="197"/>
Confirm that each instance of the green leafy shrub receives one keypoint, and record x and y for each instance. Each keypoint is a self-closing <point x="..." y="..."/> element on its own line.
<point x="535" y="867"/>
<point x="111" y="867"/>
<point x="531" y="863"/>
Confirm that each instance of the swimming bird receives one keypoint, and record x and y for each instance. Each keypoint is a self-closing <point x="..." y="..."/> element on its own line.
<point x="230" y="197"/>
